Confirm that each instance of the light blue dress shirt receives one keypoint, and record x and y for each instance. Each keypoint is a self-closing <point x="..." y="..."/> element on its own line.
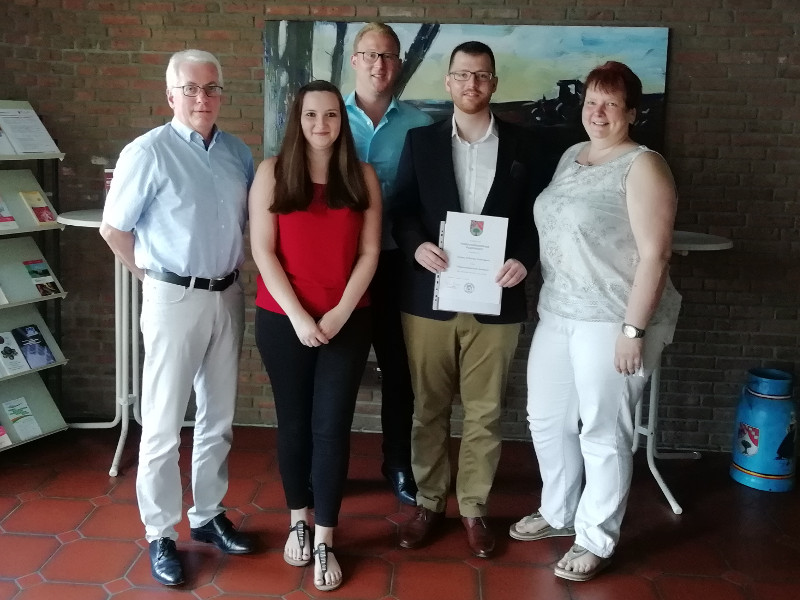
<point x="381" y="146"/>
<point x="186" y="205"/>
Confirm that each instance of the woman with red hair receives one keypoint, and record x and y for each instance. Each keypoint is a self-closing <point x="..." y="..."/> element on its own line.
<point x="606" y="309"/>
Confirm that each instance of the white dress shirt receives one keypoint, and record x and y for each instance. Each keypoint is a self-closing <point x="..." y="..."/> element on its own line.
<point x="475" y="165"/>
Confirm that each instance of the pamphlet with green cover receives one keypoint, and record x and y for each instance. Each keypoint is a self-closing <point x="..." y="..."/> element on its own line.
<point x="39" y="272"/>
<point x="22" y="419"/>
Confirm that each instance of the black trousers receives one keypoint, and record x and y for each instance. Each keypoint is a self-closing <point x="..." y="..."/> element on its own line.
<point x="397" y="405"/>
<point x="315" y="393"/>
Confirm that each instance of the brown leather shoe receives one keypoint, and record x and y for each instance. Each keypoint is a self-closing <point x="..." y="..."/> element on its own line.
<point x="414" y="532"/>
<point x="479" y="536"/>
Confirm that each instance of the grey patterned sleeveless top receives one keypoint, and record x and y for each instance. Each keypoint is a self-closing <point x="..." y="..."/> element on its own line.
<point x="588" y="252"/>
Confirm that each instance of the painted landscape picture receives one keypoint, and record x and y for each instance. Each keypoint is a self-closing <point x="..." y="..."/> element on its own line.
<point x="540" y="70"/>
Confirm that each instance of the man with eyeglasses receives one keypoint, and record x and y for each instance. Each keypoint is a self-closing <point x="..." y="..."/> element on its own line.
<point x="175" y="215"/>
<point x="379" y="122"/>
<point x="473" y="163"/>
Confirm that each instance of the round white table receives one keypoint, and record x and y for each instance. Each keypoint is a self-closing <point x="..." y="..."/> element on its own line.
<point x="683" y="242"/>
<point x="126" y="326"/>
<point x="91" y="217"/>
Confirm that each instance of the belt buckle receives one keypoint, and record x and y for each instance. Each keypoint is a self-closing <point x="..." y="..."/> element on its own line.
<point x="213" y="283"/>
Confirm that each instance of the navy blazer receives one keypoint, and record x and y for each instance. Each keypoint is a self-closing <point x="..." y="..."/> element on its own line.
<point x="426" y="190"/>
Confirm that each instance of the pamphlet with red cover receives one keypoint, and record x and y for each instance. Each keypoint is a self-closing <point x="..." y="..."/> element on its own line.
<point x="37" y="204"/>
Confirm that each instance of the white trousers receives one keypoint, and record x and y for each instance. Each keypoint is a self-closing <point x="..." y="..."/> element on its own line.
<point x="580" y="412"/>
<point x="191" y="338"/>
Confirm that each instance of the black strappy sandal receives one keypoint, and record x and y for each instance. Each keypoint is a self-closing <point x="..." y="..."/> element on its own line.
<point x="322" y="551"/>
<point x="302" y="530"/>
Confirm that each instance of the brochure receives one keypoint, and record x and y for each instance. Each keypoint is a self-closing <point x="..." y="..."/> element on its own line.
<point x="22" y="418"/>
<point x="38" y="207"/>
<point x="7" y="221"/>
<point x="35" y="350"/>
<point x="40" y="276"/>
<point x="5" y="441"/>
<point x="11" y="359"/>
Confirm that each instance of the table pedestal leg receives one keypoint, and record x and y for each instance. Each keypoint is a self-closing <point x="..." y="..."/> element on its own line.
<point x="126" y="346"/>
<point x="126" y="302"/>
<point x="649" y="431"/>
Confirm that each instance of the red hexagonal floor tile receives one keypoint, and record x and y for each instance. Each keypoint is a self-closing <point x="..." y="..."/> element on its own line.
<point x="78" y="484"/>
<point x="776" y="591"/>
<point x="613" y="585"/>
<point x="48" y="515"/>
<point x="92" y="561"/>
<point x="125" y="488"/>
<point x="116" y="521"/>
<point x="435" y="580"/>
<point x="365" y="535"/>
<point x="19" y="479"/>
<point x="682" y="588"/>
<point x="63" y="591"/>
<point x="7" y="504"/>
<point x="503" y="582"/>
<point x="24" y="554"/>
<point x="241" y="491"/>
<point x="264" y="573"/>
<point x="249" y="464"/>
<point x="8" y="589"/>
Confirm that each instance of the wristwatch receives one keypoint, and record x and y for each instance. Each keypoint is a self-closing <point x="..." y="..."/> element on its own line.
<point x="631" y="331"/>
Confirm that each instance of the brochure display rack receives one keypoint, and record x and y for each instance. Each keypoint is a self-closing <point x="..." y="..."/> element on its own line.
<point x="27" y="409"/>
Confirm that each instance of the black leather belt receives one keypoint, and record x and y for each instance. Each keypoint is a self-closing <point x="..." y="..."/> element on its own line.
<point x="212" y="285"/>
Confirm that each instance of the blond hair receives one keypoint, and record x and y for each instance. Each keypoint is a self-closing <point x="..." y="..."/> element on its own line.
<point x="379" y="28"/>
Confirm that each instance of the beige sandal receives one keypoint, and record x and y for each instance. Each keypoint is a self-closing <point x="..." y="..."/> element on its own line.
<point x="518" y="529"/>
<point x="576" y="552"/>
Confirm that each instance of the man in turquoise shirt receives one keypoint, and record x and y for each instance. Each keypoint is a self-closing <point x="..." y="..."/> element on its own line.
<point x="379" y="123"/>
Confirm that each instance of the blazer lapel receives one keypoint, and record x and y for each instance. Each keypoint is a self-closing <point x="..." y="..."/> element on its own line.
<point x="441" y="153"/>
<point x="506" y="150"/>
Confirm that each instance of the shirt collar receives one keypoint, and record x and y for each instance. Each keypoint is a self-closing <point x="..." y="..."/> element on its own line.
<point x="189" y="134"/>
<point x="350" y="101"/>
<point x="491" y="130"/>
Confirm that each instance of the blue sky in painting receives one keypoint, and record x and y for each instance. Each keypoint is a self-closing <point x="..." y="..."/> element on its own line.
<point x="530" y="58"/>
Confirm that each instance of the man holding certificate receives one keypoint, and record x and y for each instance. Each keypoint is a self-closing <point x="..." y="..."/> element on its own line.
<point x="461" y="331"/>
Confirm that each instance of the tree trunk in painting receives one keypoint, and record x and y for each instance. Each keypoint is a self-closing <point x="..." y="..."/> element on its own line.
<point x="287" y="57"/>
<point x="415" y="54"/>
<point x="337" y="55"/>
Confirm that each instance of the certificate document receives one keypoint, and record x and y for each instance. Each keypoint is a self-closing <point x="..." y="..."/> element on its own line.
<point x="476" y="248"/>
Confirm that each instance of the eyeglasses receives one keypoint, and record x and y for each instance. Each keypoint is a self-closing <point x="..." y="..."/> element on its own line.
<point x="481" y="76"/>
<point x="372" y="57"/>
<point x="192" y="91"/>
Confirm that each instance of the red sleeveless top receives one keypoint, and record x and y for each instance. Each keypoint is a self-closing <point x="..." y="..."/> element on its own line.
<point x="317" y="249"/>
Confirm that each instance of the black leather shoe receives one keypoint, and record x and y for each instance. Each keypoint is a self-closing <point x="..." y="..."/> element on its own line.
<point x="220" y="532"/>
<point x="164" y="563"/>
<point x="403" y="484"/>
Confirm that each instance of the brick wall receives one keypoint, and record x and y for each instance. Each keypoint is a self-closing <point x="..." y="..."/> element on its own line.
<point x="94" y="71"/>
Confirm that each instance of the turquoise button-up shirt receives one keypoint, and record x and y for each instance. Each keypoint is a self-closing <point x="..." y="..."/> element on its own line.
<point x="381" y="146"/>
